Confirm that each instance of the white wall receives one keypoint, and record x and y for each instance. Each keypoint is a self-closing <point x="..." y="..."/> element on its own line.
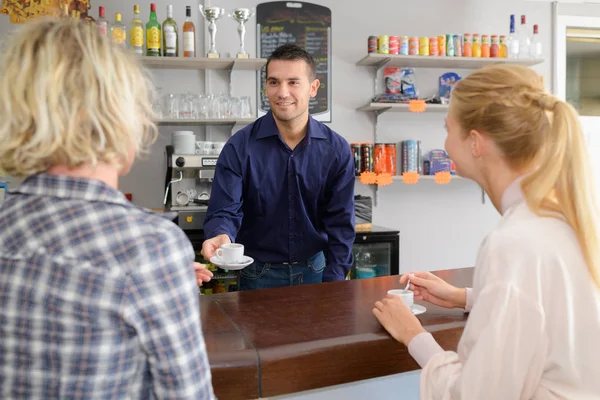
<point x="441" y="226"/>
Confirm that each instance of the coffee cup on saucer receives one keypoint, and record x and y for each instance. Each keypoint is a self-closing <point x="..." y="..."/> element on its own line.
<point x="407" y="295"/>
<point x="231" y="253"/>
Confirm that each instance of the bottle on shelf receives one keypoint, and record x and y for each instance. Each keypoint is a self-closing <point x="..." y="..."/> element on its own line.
<point x="494" y="47"/>
<point x="170" y="35"/>
<point x="476" y="46"/>
<point x="64" y="11"/>
<point x="118" y="31"/>
<point x="189" y="34"/>
<point x="512" y="42"/>
<point x="102" y="23"/>
<point x="536" y="44"/>
<point x="485" y="46"/>
<point x="136" y="33"/>
<point x="503" y="51"/>
<point x="153" y="34"/>
<point x="467" y="48"/>
<point x="524" y="39"/>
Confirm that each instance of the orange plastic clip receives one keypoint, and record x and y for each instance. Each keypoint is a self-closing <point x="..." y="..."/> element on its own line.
<point x="384" y="179"/>
<point x="410" y="178"/>
<point x="418" y="106"/>
<point x="368" y="178"/>
<point x="442" y="178"/>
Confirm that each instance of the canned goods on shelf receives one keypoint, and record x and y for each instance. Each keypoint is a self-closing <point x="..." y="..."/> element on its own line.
<point x="450" y="45"/>
<point x="403" y="46"/>
<point x="423" y="46"/>
<point x="394" y="44"/>
<point x="442" y="45"/>
<point x="384" y="44"/>
<point x="356" y="154"/>
<point x="372" y="44"/>
<point x="413" y="46"/>
<point x="366" y="157"/>
<point x="433" y="46"/>
<point x="458" y="45"/>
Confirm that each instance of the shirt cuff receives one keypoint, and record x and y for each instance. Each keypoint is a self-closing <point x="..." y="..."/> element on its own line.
<point x="469" y="302"/>
<point x="422" y="347"/>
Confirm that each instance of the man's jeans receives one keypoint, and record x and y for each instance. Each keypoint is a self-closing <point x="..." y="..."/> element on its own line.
<point x="261" y="275"/>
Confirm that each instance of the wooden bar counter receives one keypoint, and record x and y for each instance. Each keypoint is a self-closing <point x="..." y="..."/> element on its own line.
<point x="270" y="342"/>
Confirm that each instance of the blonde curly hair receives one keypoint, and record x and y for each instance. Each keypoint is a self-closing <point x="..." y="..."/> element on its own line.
<point x="70" y="98"/>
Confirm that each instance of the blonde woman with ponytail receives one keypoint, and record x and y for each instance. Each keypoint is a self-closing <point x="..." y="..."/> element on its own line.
<point x="534" y="326"/>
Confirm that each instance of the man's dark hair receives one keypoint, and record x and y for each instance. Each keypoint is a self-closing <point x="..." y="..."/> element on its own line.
<point x="291" y="52"/>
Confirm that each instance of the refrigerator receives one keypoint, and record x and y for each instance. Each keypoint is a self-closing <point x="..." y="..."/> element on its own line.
<point x="376" y="253"/>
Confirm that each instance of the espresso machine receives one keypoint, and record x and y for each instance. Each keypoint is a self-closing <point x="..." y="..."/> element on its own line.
<point x="188" y="185"/>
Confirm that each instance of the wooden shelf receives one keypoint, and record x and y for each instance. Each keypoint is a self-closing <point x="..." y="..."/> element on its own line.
<point x="400" y="107"/>
<point x="205" y="122"/>
<point x="250" y="64"/>
<point x="402" y="61"/>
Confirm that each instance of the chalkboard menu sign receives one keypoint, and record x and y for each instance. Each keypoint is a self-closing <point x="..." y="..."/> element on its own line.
<point x="307" y="25"/>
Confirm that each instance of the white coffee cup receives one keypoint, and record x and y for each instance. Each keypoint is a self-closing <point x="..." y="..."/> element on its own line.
<point x="407" y="295"/>
<point x="231" y="253"/>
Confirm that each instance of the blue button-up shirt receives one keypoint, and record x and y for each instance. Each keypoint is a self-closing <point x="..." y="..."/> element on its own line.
<point x="286" y="205"/>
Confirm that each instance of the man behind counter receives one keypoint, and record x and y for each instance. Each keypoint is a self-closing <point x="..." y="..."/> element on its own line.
<point x="284" y="186"/>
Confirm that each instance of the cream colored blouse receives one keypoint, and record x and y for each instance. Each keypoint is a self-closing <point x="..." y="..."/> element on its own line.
<point x="534" y="328"/>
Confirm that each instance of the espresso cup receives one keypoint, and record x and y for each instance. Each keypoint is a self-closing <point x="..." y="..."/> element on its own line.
<point x="231" y="253"/>
<point x="407" y="295"/>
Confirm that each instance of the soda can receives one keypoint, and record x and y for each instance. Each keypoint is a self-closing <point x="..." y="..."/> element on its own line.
<point x="394" y="44"/>
<point x="384" y="44"/>
<point x="450" y="45"/>
<point x="390" y="150"/>
<point x="413" y="46"/>
<point x="373" y="44"/>
<point x="357" y="158"/>
<point x="379" y="159"/>
<point x="423" y="46"/>
<point x="458" y="45"/>
<point x="433" y="46"/>
<point x="442" y="45"/>
<point x="366" y="155"/>
<point x="403" y="45"/>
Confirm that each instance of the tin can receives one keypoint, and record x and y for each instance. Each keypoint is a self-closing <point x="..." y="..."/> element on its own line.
<point x="394" y="44"/>
<point x="366" y="157"/>
<point x="390" y="150"/>
<point x="373" y="44"/>
<point x="423" y="46"/>
<point x="458" y="45"/>
<point x="413" y="46"/>
<point x="355" y="147"/>
<point x="384" y="44"/>
<point x="403" y="45"/>
<point x="433" y="46"/>
<point x="450" y="45"/>
<point x="379" y="159"/>
<point x="442" y="45"/>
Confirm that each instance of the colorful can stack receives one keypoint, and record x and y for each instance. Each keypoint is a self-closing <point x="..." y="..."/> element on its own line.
<point x="413" y="46"/>
<point x="442" y="45"/>
<point x="373" y="44"/>
<point x="450" y="46"/>
<point x="409" y="156"/>
<point x="404" y="45"/>
<point x="457" y="45"/>
<point x="384" y="158"/>
<point x="423" y="46"/>
<point x="433" y="46"/>
<point x="394" y="44"/>
<point x="384" y="44"/>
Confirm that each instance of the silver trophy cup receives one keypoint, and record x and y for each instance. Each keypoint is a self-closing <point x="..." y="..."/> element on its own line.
<point x="212" y="14"/>
<point x="242" y="15"/>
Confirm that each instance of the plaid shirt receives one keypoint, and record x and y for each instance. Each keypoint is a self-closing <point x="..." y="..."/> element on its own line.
<point x="98" y="298"/>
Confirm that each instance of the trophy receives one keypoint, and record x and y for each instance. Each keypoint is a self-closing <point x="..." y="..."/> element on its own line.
<point x="212" y="14"/>
<point x="242" y="15"/>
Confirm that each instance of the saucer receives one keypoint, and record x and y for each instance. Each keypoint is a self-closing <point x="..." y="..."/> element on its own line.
<point x="417" y="309"/>
<point x="218" y="261"/>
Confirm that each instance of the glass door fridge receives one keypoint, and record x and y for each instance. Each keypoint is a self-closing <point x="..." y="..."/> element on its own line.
<point x="376" y="253"/>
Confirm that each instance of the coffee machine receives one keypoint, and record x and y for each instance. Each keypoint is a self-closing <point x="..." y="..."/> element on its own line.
<point x="188" y="186"/>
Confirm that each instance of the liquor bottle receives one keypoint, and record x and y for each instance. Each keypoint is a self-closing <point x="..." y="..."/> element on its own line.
<point x="136" y="32"/>
<point x="512" y="42"/>
<point x="189" y="34"/>
<point x="101" y="24"/>
<point x="536" y="44"/>
<point x="153" y="34"/>
<point x="170" y="35"/>
<point x="118" y="31"/>
<point x="524" y="39"/>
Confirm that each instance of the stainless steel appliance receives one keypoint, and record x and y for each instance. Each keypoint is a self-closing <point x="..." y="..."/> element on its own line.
<point x="188" y="185"/>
